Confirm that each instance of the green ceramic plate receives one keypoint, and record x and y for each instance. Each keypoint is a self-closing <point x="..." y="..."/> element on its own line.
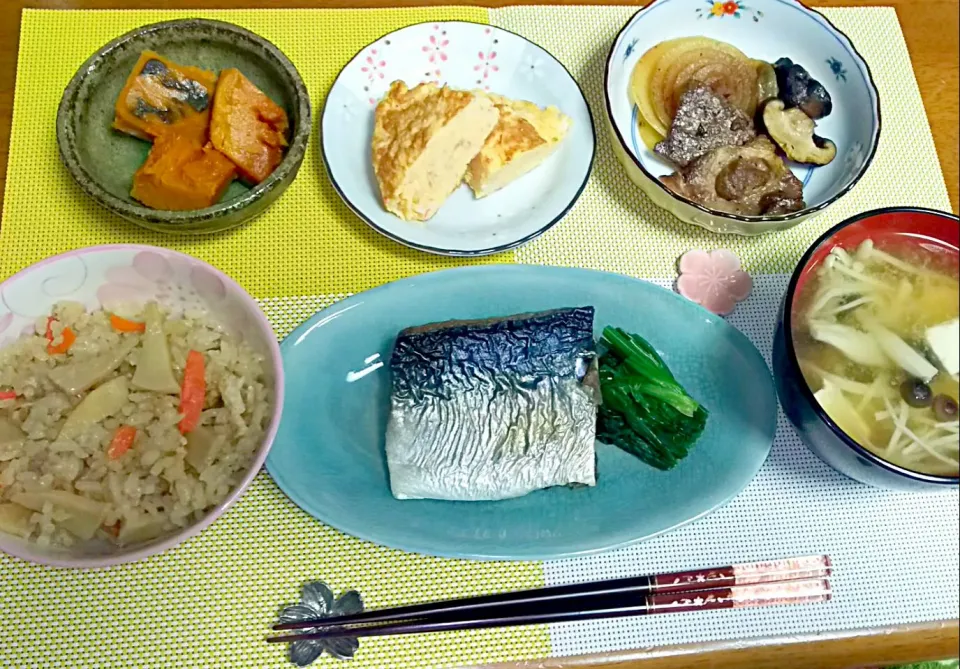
<point x="103" y="161"/>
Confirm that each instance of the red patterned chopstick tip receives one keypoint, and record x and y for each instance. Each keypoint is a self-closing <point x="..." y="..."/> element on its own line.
<point x="699" y="579"/>
<point x="676" y="602"/>
<point x="811" y="591"/>
<point x="789" y="569"/>
<point x="798" y="568"/>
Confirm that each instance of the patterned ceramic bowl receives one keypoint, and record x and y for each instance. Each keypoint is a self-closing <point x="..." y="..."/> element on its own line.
<point x="766" y="30"/>
<point x="103" y="161"/>
<point x="122" y="274"/>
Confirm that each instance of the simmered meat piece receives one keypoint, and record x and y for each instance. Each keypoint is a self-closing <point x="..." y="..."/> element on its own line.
<point x="750" y="180"/>
<point x="704" y="122"/>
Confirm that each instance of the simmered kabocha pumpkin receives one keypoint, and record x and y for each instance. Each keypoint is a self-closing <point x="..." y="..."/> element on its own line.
<point x="182" y="172"/>
<point x="206" y="130"/>
<point x="160" y="94"/>
<point x="247" y="126"/>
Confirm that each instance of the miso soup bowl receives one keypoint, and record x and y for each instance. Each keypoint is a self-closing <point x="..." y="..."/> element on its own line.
<point x="912" y="225"/>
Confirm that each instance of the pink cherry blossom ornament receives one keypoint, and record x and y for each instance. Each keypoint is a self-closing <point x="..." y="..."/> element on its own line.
<point x="713" y="279"/>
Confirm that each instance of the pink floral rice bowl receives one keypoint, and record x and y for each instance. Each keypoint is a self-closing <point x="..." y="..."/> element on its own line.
<point x="203" y="309"/>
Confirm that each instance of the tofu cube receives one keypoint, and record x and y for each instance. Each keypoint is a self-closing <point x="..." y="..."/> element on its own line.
<point x="944" y="341"/>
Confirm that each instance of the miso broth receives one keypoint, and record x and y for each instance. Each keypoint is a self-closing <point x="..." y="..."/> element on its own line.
<point x="874" y="332"/>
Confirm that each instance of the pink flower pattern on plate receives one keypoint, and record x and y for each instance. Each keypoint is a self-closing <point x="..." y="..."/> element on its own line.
<point x="713" y="279"/>
<point x="150" y="276"/>
<point x="486" y="66"/>
<point x="207" y="284"/>
<point x="145" y="279"/>
<point x="436" y="53"/>
<point x="435" y="49"/>
<point x="373" y="66"/>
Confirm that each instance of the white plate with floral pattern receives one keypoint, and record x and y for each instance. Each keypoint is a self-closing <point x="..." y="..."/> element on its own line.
<point x="467" y="56"/>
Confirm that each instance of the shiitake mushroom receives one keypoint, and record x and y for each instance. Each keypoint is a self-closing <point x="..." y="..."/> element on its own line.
<point x="798" y="89"/>
<point x="793" y="131"/>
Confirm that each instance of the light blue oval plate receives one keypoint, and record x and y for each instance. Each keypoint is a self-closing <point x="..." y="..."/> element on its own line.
<point x="329" y="458"/>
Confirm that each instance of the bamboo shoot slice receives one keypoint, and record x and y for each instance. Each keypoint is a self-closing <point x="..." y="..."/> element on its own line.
<point x="154" y="368"/>
<point x="77" y="377"/>
<point x="10" y="435"/>
<point x="83" y="516"/>
<point x="100" y="403"/>
<point x="202" y="446"/>
<point x="142" y="527"/>
<point x="15" y="520"/>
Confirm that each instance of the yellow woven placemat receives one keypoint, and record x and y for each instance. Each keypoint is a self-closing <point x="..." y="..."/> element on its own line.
<point x="209" y="602"/>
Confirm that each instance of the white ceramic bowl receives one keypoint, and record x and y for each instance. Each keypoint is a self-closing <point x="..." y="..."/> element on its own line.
<point x="103" y="275"/>
<point x="765" y="30"/>
<point x="467" y="56"/>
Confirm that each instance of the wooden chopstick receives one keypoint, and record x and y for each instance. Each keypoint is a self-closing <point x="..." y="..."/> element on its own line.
<point x="763" y="594"/>
<point x="790" y="569"/>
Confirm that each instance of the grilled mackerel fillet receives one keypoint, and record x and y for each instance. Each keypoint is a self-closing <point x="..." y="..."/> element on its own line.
<point x="493" y="409"/>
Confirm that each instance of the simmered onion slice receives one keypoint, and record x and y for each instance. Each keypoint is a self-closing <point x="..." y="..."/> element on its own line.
<point x="671" y="68"/>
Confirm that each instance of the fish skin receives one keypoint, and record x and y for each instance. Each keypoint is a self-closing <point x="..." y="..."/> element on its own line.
<point x="492" y="409"/>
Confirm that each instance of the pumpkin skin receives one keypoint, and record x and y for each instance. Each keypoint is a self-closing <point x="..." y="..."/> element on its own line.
<point x="181" y="172"/>
<point x="247" y="126"/>
<point x="160" y="95"/>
